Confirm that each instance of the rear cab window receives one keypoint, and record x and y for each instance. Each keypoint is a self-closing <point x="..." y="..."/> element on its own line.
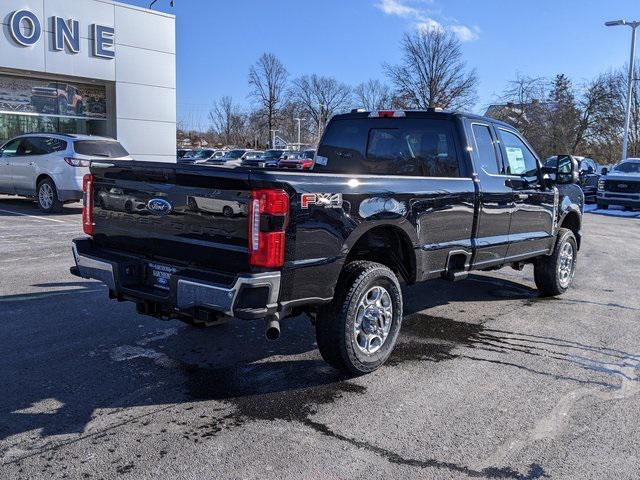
<point x="395" y="146"/>
<point x="100" y="148"/>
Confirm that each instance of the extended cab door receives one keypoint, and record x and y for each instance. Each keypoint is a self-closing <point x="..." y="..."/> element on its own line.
<point x="495" y="196"/>
<point x="532" y="220"/>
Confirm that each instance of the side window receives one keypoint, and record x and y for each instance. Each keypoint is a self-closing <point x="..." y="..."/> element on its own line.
<point x="11" y="148"/>
<point x="520" y="160"/>
<point x="486" y="148"/>
<point x="52" y="145"/>
<point x="32" y="146"/>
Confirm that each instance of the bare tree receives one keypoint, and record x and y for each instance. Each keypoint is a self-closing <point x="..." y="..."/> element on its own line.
<point x="268" y="83"/>
<point x="523" y="104"/>
<point x="599" y="120"/>
<point x="432" y="72"/>
<point x="320" y="97"/>
<point x="373" y="95"/>
<point x="226" y="120"/>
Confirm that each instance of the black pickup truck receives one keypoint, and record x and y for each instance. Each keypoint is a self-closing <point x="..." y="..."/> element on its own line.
<point x="392" y="196"/>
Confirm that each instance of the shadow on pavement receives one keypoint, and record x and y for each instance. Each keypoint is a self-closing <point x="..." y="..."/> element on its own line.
<point x="29" y="207"/>
<point x="69" y="366"/>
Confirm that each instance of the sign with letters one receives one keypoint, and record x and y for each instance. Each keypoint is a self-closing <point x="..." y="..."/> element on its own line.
<point x="26" y="30"/>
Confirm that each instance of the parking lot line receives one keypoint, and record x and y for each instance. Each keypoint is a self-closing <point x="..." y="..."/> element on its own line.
<point x="33" y="216"/>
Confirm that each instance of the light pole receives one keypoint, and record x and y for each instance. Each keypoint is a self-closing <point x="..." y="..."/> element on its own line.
<point x="299" y="120"/>
<point x="627" y="117"/>
<point x="320" y="121"/>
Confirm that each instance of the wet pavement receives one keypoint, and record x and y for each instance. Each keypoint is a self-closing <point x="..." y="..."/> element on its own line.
<point x="488" y="380"/>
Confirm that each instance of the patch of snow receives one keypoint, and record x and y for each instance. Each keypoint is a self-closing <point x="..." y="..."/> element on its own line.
<point x="160" y="335"/>
<point x="613" y="211"/>
<point x="130" y="352"/>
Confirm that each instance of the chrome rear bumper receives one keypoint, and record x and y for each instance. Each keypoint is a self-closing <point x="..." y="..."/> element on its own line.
<point x="185" y="293"/>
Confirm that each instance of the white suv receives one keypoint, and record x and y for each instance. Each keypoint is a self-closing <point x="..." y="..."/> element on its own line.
<point x="50" y="166"/>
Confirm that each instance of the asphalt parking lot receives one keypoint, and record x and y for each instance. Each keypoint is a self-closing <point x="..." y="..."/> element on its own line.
<point x="488" y="380"/>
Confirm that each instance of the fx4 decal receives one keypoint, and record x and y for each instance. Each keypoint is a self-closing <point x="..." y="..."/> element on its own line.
<point x="326" y="200"/>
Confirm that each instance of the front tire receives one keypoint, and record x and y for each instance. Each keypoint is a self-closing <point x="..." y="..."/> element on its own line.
<point x="553" y="274"/>
<point x="47" y="197"/>
<point x="357" y="332"/>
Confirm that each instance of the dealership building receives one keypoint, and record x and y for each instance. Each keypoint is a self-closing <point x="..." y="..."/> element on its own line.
<point x="89" y="66"/>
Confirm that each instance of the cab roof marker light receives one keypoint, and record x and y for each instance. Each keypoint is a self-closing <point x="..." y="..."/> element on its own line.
<point x="388" y="114"/>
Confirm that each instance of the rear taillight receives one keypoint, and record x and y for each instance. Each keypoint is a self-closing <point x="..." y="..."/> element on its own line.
<point x="268" y="217"/>
<point x="74" y="162"/>
<point x="87" y="210"/>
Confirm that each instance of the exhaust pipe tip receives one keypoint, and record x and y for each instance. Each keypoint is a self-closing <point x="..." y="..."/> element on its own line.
<point x="273" y="330"/>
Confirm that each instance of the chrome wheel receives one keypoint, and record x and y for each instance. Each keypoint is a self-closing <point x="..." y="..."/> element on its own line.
<point x="373" y="320"/>
<point x="566" y="266"/>
<point x="45" y="196"/>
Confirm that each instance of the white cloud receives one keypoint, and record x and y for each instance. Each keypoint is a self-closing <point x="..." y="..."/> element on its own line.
<point x="397" y="7"/>
<point x="464" y="33"/>
<point x="429" y="24"/>
<point x="423" y="21"/>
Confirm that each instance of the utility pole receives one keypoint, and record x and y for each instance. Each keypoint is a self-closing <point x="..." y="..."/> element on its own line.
<point x="299" y="120"/>
<point x="320" y="121"/>
<point x="627" y="119"/>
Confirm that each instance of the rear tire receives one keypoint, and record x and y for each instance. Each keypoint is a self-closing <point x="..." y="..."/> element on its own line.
<point x="227" y="211"/>
<point x="358" y="330"/>
<point x="553" y="274"/>
<point x="47" y="197"/>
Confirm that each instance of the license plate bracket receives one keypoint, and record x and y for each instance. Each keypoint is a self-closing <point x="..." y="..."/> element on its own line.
<point x="159" y="275"/>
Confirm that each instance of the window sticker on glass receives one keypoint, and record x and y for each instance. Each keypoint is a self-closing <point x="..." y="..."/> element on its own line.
<point x="517" y="162"/>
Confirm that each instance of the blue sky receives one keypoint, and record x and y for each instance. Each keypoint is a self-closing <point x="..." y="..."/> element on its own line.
<point x="217" y="40"/>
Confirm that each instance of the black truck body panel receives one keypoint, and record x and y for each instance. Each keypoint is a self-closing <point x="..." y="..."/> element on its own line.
<point x="485" y="219"/>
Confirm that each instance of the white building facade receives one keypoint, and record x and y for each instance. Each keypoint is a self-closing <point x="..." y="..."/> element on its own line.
<point x="92" y="67"/>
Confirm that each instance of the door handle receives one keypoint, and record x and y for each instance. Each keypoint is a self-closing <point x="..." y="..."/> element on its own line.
<point x="522" y="196"/>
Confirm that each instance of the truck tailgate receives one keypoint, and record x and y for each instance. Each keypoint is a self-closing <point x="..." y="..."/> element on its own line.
<point x="178" y="214"/>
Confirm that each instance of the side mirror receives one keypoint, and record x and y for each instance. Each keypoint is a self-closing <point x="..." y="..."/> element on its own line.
<point x="605" y="171"/>
<point x="567" y="170"/>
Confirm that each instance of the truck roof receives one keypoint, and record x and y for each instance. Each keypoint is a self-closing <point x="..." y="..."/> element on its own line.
<point x="429" y="113"/>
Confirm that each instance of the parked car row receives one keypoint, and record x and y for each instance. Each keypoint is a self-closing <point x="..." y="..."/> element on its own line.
<point x="274" y="158"/>
<point x="50" y="167"/>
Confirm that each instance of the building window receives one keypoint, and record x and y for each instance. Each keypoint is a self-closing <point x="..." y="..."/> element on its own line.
<point x="29" y="105"/>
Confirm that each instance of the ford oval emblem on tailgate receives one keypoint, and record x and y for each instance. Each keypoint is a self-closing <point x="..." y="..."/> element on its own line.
<point x="159" y="206"/>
